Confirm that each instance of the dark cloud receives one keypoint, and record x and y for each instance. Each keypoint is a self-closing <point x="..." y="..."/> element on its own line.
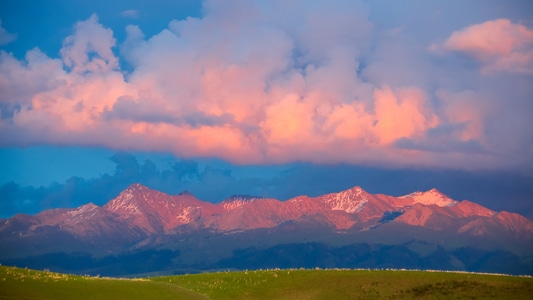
<point x="433" y="145"/>
<point x="144" y="111"/>
<point x="128" y="109"/>
<point x="211" y="182"/>
<point x="7" y="111"/>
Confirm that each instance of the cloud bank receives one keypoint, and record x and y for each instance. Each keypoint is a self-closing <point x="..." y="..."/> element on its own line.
<point x="214" y="183"/>
<point x="276" y="82"/>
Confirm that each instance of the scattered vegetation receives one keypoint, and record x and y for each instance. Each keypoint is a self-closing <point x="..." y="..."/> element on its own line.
<point x="16" y="283"/>
<point x="353" y="284"/>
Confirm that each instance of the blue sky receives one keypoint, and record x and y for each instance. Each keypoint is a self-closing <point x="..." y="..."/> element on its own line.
<point x="270" y="98"/>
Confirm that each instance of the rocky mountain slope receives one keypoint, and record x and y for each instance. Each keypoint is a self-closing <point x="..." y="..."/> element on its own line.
<point x="142" y="219"/>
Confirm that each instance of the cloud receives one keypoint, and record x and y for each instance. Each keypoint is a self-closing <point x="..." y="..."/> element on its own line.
<point x="130" y="13"/>
<point x="5" y="36"/>
<point x="271" y="82"/>
<point x="499" y="45"/>
<point x="140" y="111"/>
<point x="401" y="115"/>
<point x="89" y="50"/>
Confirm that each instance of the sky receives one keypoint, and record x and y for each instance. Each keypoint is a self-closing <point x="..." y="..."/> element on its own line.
<point x="267" y="98"/>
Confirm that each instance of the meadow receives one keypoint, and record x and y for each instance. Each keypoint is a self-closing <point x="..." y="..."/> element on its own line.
<point x="17" y="283"/>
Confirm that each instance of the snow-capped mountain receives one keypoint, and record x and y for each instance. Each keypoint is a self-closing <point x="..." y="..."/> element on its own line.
<point x="156" y="212"/>
<point x="142" y="218"/>
<point x="141" y="209"/>
<point x="431" y="197"/>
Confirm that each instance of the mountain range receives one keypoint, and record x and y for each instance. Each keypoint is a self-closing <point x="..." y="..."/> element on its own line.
<point x="144" y="230"/>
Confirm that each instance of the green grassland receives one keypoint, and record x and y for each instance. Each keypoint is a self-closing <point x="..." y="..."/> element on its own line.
<point x="18" y="283"/>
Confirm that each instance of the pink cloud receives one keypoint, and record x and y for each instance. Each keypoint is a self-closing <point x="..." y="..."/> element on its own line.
<point x="499" y="45"/>
<point x="401" y="115"/>
<point x="259" y="89"/>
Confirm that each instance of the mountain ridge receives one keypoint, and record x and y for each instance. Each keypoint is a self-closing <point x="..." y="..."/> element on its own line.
<point x="154" y="212"/>
<point x="143" y="219"/>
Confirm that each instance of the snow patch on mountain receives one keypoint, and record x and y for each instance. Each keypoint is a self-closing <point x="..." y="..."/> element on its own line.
<point x="124" y="203"/>
<point x="188" y="215"/>
<point x="86" y="211"/>
<point x="431" y="197"/>
<point x="237" y="201"/>
<point x="350" y="201"/>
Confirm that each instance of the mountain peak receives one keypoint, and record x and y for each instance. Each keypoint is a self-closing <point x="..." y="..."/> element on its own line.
<point x="356" y="189"/>
<point x="351" y="200"/>
<point x="136" y="187"/>
<point x="431" y="197"/>
<point x="128" y="199"/>
<point x="473" y="209"/>
<point x="86" y="211"/>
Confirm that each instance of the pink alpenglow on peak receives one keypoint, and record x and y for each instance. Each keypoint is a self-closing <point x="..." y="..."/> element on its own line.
<point x="87" y="211"/>
<point x="238" y="201"/>
<point x="431" y="197"/>
<point x="468" y="208"/>
<point x="140" y="213"/>
<point x="350" y="201"/>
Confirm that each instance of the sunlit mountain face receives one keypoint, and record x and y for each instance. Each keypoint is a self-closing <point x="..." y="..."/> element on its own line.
<point x="351" y="228"/>
<point x="352" y="131"/>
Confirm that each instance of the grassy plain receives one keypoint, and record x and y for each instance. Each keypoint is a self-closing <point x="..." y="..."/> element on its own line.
<point x="16" y="283"/>
<point x="267" y="284"/>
